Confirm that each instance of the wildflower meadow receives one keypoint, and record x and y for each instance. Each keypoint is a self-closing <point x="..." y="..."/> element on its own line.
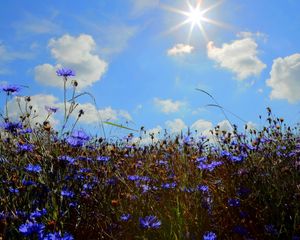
<point x="63" y="183"/>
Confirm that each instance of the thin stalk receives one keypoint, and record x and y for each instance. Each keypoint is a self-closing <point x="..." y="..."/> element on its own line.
<point x="65" y="97"/>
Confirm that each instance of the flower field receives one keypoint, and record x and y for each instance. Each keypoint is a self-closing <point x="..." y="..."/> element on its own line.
<point x="70" y="185"/>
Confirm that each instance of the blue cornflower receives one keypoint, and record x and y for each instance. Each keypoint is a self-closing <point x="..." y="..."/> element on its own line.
<point x="34" y="168"/>
<point x="2" y="215"/>
<point x="203" y="188"/>
<point x="210" y="167"/>
<point x="65" y="72"/>
<point x="51" y="109"/>
<point x="25" y="147"/>
<point x="67" y="193"/>
<point x="25" y="131"/>
<point x="66" y="158"/>
<point x="78" y="138"/>
<point x="150" y="222"/>
<point x="133" y="177"/>
<point x="103" y="159"/>
<point x="58" y="236"/>
<point x="236" y="158"/>
<point x="233" y="202"/>
<point x="30" y="228"/>
<point x="209" y="236"/>
<point x="38" y="213"/>
<point x="201" y="159"/>
<point x="28" y="182"/>
<point x="10" y="89"/>
<point x="13" y="190"/>
<point x="168" y="185"/>
<point x="243" y="192"/>
<point x="271" y="229"/>
<point x="12" y="126"/>
<point x="163" y="163"/>
<point x="125" y="217"/>
<point x="224" y="153"/>
<point x="240" y="230"/>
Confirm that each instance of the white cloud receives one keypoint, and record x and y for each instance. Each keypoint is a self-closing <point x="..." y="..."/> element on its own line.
<point x="139" y="7"/>
<point x="239" y="56"/>
<point x="38" y="103"/>
<point x="168" y="105"/>
<point x="152" y="135"/>
<point x="251" y="126"/>
<point x="255" y="35"/>
<point x="176" y="126"/>
<point x="284" y="78"/>
<point x="75" y="53"/>
<point x="180" y="49"/>
<point x="202" y="127"/>
<point x="225" y="126"/>
<point x="92" y="115"/>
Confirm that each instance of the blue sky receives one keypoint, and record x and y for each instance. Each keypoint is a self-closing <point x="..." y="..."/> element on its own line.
<point x="140" y="71"/>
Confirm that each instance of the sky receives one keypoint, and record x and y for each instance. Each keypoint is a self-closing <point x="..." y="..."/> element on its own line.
<point x="143" y="60"/>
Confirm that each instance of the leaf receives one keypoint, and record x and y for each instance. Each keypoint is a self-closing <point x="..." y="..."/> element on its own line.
<point x="120" y="126"/>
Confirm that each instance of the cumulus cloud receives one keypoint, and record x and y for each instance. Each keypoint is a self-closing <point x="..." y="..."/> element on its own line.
<point x="75" y="53"/>
<point x="176" y="126"/>
<point x="38" y="103"/>
<point x="239" y="56"/>
<point x="284" y="78"/>
<point x="180" y="49"/>
<point x="92" y="115"/>
<point x="151" y="135"/>
<point x="168" y="105"/>
<point x="202" y="127"/>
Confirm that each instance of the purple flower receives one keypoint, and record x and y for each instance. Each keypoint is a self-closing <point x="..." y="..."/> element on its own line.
<point x="13" y="190"/>
<point x="125" y="217"/>
<point x="67" y="193"/>
<point x="65" y="72"/>
<point x="38" y="213"/>
<point x="240" y="230"/>
<point x="210" y="167"/>
<point x="34" y="168"/>
<point x="233" y="202"/>
<point x="25" y="147"/>
<point x="10" y="89"/>
<point x="12" y="127"/>
<point x="103" y="159"/>
<point x="203" y="188"/>
<point x="150" y="222"/>
<point x="28" y="182"/>
<point x="271" y="229"/>
<point x="133" y="177"/>
<point x="209" y="236"/>
<point x="168" y="185"/>
<point x="30" y="228"/>
<point x="51" y="109"/>
<point x="66" y="158"/>
<point x="58" y="236"/>
<point x="78" y="138"/>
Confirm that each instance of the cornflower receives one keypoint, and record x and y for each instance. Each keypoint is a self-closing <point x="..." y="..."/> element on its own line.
<point x="150" y="222"/>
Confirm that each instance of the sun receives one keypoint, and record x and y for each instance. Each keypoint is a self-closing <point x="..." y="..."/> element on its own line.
<point x="195" y="17"/>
